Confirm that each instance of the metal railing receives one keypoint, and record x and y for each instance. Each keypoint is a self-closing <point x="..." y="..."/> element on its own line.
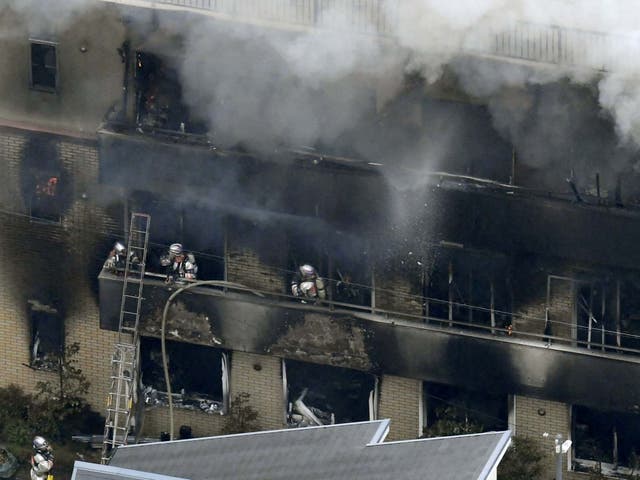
<point x="565" y="46"/>
<point x="359" y="16"/>
<point x="475" y="319"/>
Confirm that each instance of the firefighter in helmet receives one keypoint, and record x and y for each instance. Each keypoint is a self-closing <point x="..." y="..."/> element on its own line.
<point x="117" y="259"/>
<point x="42" y="459"/>
<point x="307" y="284"/>
<point x="180" y="265"/>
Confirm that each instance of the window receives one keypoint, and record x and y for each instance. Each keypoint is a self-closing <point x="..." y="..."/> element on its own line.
<point x="47" y="335"/>
<point x="610" y="439"/>
<point x="43" y="180"/>
<point x="323" y="395"/>
<point x="455" y="411"/>
<point x="45" y="199"/>
<point x="205" y="388"/>
<point x="44" y="66"/>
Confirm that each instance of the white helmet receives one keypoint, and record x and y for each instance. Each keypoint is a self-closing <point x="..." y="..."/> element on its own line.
<point x="307" y="270"/>
<point x="175" y="248"/>
<point x="119" y="248"/>
<point x="39" y="443"/>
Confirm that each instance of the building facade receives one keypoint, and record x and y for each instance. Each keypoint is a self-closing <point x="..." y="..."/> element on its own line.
<point x="481" y="271"/>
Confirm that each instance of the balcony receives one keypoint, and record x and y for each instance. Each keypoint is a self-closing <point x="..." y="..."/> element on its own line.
<point x="522" y="41"/>
<point x="482" y="356"/>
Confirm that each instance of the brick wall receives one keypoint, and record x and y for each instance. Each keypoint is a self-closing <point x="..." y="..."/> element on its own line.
<point x="54" y="263"/>
<point x="530" y="424"/>
<point x="530" y="301"/>
<point x="400" y="402"/>
<point x="261" y="377"/>
<point x="250" y="263"/>
<point x="397" y="290"/>
<point x="156" y="420"/>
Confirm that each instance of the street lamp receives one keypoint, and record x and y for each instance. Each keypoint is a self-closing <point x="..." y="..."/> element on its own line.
<point x="560" y="449"/>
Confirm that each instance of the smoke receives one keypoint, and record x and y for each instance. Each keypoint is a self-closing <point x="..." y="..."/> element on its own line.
<point x="43" y="18"/>
<point x="265" y="88"/>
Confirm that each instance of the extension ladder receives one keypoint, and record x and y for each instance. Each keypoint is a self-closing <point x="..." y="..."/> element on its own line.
<point x="124" y="364"/>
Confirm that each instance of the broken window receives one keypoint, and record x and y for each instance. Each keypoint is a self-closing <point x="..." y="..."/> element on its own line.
<point x="47" y="335"/>
<point x="200" y="230"/>
<point x="609" y="438"/>
<point x="159" y="104"/>
<point x="43" y="184"/>
<point x="44" y="66"/>
<point x="468" y="288"/>
<point x="204" y="388"/>
<point x="323" y="395"/>
<point x="350" y="272"/>
<point x="455" y="411"/>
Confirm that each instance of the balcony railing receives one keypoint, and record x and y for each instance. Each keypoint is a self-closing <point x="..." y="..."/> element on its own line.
<point x="361" y="16"/>
<point x="525" y="41"/>
<point x="565" y="46"/>
<point x="459" y="316"/>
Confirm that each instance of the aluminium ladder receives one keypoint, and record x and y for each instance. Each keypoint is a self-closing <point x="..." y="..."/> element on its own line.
<point x="124" y="364"/>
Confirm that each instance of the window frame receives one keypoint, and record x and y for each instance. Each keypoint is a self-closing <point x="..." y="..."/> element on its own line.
<point x="38" y="86"/>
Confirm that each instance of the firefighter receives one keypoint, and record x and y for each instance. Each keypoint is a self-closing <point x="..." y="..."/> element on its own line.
<point x="180" y="265"/>
<point x="117" y="259"/>
<point x="307" y="284"/>
<point x="42" y="460"/>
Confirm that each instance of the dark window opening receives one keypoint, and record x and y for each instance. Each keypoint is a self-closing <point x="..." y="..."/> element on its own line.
<point x="46" y="201"/>
<point x="44" y="66"/>
<point x="198" y="375"/>
<point x="47" y="335"/>
<point x="350" y="275"/>
<point x="609" y="438"/>
<point x="200" y="230"/>
<point x="44" y="185"/>
<point x="455" y="411"/>
<point x="468" y="288"/>
<point x="628" y="325"/>
<point x="323" y="395"/>
<point x="159" y="103"/>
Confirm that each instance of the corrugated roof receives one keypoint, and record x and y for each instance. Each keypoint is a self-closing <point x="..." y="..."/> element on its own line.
<point x="345" y="451"/>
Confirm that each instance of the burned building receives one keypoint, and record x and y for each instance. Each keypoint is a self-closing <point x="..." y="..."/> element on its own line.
<point x="477" y="245"/>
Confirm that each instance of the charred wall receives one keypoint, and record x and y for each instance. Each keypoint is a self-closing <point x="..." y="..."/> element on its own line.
<point x="52" y="263"/>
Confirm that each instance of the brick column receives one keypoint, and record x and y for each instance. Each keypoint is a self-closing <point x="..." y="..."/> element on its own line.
<point x="261" y="377"/>
<point x="533" y="417"/>
<point x="400" y="402"/>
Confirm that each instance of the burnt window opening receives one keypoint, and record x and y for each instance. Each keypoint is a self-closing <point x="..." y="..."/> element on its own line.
<point x="44" y="66"/>
<point x="467" y="287"/>
<point x="611" y="439"/>
<point x="46" y="201"/>
<point x="324" y="395"/>
<point x="350" y="273"/>
<point x="200" y="230"/>
<point x="159" y="101"/>
<point x="47" y="335"/>
<point x="451" y="410"/>
<point x="44" y="186"/>
<point x="204" y="388"/>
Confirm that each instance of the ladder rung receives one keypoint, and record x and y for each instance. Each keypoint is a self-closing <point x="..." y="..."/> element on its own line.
<point x="139" y="231"/>
<point x="124" y="312"/>
<point x="127" y="329"/>
<point x="131" y="296"/>
<point x="117" y="410"/>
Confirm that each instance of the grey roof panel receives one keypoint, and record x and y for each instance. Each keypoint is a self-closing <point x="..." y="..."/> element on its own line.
<point x="345" y="451"/>
<point x="93" y="471"/>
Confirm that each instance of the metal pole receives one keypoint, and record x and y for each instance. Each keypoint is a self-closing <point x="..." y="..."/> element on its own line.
<point x="558" y="457"/>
